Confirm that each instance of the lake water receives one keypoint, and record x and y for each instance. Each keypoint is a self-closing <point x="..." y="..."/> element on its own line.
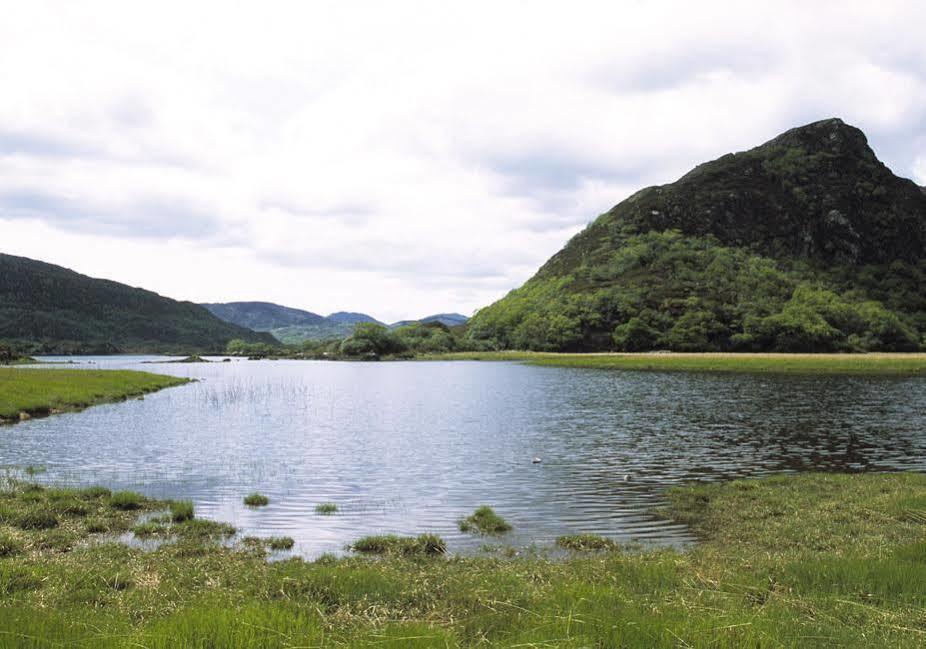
<point x="410" y="447"/>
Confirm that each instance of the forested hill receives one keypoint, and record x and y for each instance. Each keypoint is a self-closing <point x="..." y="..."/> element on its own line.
<point x="47" y="308"/>
<point x="262" y="316"/>
<point x="805" y="243"/>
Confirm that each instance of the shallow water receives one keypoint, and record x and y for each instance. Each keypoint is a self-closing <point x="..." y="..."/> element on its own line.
<point x="410" y="447"/>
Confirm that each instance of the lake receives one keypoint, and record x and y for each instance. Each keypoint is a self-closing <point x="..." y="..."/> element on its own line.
<point x="411" y="447"/>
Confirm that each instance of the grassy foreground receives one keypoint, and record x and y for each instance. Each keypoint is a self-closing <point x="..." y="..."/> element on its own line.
<point x="880" y="363"/>
<point x="797" y="561"/>
<point x="45" y="391"/>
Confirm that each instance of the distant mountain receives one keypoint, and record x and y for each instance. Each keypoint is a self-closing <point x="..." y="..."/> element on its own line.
<point x="294" y="326"/>
<point x="805" y="243"/>
<point x="262" y="316"/>
<point x="346" y="317"/>
<point x="449" y="319"/>
<point x="47" y="308"/>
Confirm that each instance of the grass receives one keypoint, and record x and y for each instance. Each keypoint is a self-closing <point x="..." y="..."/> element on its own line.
<point x="788" y="561"/>
<point x="586" y="543"/>
<point x="326" y="508"/>
<point x="256" y="500"/>
<point x="181" y="510"/>
<point x="861" y="364"/>
<point x="126" y="500"/>
<point x="35" y="392"/>
<point x="280" y="543"/>
<point x="484" y="521"/>
<point x="407" y="546"/>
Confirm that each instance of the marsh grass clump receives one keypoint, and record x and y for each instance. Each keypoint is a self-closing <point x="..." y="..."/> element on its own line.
<point x="586" y="543"/>
<point x="326" y="509"/>
<point x="96" y="491"/>
<point x="36" y="519"/>
<point x="148" y="529"/>
<point x="391" y="544"/>
<point x="200" y="528"/>
<point x="126" y="500"/>
<point x="181" y="510"/>
<point x="484" y="521"/>
<point x="280" y="543"/>
<point x="95" y="526"/>
<point x="256" y="500"/>
<point x="9" y="545"/>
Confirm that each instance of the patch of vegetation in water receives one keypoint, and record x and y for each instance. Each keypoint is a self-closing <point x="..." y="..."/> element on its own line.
<point x="280" y="543"/>
<point x="326" y="508"/>
<point x="256" y="500"/>
<point x="181" y="510"/>
<point x="484" y="521"/>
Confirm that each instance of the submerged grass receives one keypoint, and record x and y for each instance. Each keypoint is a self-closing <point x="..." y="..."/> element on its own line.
<point x="326" y="508"/>
<point x="408" y="546"/>
<point x="879" y="363"/>
<point x="484" y="521"/>
<point x="32" y="392"/>
<point x="796" y="561"/>
<point x="586" y="542"/>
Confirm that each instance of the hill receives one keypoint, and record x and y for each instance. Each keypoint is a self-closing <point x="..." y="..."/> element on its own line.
<point x="49" y="309"/>
<point x="805" y="243"/>
<point x="262" y="316"/>
<point x="295" y="326"/>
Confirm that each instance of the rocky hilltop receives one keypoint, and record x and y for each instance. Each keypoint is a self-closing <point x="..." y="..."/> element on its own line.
<point x="805" y="243"/>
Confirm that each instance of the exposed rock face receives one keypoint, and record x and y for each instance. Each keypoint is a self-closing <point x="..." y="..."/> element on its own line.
<point x="816" y="192"/>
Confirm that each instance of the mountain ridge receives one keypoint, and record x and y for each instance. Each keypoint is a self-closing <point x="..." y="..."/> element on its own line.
<point x="47" y="308"/>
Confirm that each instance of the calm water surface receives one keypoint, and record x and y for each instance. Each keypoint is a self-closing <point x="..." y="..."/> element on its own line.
<point x="412" y="447"/>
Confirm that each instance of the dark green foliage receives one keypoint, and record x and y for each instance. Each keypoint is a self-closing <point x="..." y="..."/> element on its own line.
<point x="371" y="340"/>
<point x="36" y="520"/>
<point x="326" y="508"/>
<point x="807" y="243"/>
<point x="52" y="309"/>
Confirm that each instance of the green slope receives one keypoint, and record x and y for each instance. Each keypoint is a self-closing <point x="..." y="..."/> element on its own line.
<point x="806" y="243"/>
<point x="47" y="308"/>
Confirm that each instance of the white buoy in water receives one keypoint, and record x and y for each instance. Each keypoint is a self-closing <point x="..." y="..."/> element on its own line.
<point x="537" y="460"/>
<point x="626" y="477"/>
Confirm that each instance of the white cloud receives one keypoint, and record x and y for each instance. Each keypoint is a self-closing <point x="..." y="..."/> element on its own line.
<point x="403" y="158"/>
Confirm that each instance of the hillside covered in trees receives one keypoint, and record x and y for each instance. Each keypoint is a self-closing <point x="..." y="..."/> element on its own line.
<point x="805" y="243"/>
<point x="50" y="309"/>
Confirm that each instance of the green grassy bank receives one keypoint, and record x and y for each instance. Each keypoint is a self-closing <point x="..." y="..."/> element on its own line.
<point x="45" y="391"/>
<point x="880" y="363"/>
<point x="795" y="561"/>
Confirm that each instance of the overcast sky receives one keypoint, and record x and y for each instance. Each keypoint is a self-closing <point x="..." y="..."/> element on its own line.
<point x="403" y="158"/>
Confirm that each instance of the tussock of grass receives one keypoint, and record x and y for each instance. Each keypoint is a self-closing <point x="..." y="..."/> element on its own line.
<point x="586" y="542"/>
<point x="181" y="510"/>
<point x="36" y="520"/>
<point x="390" y="544"/>
<point x="126" y="500"/>
<point x="484" y="521"/>
<point x="280" y="543"/>
<point x="9" y="545"/>
<point x="256" y="500"/>
<point x="326" y="508"/>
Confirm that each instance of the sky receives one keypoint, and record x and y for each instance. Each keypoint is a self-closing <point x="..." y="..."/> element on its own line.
<point x="403" y="158"/>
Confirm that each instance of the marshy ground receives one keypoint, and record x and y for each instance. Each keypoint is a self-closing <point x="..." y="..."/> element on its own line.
<point x="901" y="364"/>
<point x="811" y="560"/>
<point x="28" y="392"/>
